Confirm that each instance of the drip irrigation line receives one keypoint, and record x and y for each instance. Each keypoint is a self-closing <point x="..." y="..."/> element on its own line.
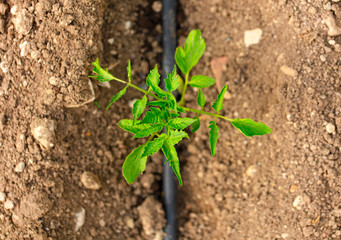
<point x="168" y="62"/>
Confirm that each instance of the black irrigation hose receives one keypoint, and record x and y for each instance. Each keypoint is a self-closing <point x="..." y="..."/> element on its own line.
<point x="168" y="62"/>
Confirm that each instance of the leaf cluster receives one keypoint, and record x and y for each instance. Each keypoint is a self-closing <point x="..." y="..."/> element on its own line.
<point x="159" y="118"/>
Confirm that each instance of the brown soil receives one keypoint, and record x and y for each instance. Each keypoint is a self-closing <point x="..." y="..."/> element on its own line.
<point x="61" y="153"/>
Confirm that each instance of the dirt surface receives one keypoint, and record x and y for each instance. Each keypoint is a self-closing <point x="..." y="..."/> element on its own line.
<point x="61" y="152"/>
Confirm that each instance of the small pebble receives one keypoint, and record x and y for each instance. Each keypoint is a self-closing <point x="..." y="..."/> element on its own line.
<point x="24" y="47"/>
<point x="54" y="81"/>
<point x="127" y="25"/>
<point x="111" y="41"/>
<point x="4" y="67"/>
<point x="90" y="181"/>
<point x="9" y="204"/>
<point x="130" y="223"/>
<point x="20" y="167"/>
<point x="289" y="71"/>
<point x="330" y="128"/>
<point x="312" y="10"/>
<point x="334" y="30"/>
<point x="2" y="196"/>
<point x="323" y="58"/>
<point x="102" y="223"/>
<point x="43" y="130"/>
<point x="80" y="219"/>
<point x="252" y="37"/>
<point x="251" y="171"/>
<point x="293" y="188"/>
<point x="285" y="235"/>
<point x="298" y="202"/>
<point x="331" y="42"/>
<point x="157" y="6"/>
<point x="104" y="84"/>
<point x="310" y="90"/>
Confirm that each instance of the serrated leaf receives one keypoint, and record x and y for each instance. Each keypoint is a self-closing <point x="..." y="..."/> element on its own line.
<point x="250" y="128"/>
<point x="154" y="146"/>
<point x="154" y="115"/>
<point x="102" y="75"/>
<point x="218" y="104"/>
<point x="176" y="136"/>
<point x="213" y="136"/>
<point x="153" y="78"/>
<point x="117" y="96"/>
<point x="138" y="107"/>
<point x="134" y="164"/>
<point x="172" y="157"/>
<point x="180" y="123"/>
<point x="186" y="58"/>
<point x="129" y="126"/>
<point x="146" y="132"/>
<point x="180" y="109"/>
<point x="201" y="99"/>
<point x="200" y="81"/>
<point x="172" y="102"/>
<point x="195" y="125"/>
<point x="172" y="82"/>
<point x="129" y="71"/>
<point x="160" y="103"/>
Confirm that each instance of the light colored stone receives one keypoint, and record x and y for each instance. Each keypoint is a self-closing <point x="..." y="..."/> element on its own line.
<point x="130" y="222"/>
<point x="330" y="128"/>
<point x="334" y="30"/>
<point x="43" y="130"/>
<point x="90" y="181"/>
<point x="54" y="81"/>
<point x="111" y="41"/>
<point x="24" y="48"/>
<point x="323" y="58"/>
<point x="20" y="167"/>
<point x="9" y="204"/>
<point x="23" y="22"/>
<point x="2" y="196"/>
<point x="252" y="37"/>
<point x="157" y="6"/>
<point x="4" y="66"/>
<point x="251" y="171"/>
<point x="288" y="71"/>
<point x="80" y="219"/>
<point x="104" y="84"/>
<point x="102" y="223"/>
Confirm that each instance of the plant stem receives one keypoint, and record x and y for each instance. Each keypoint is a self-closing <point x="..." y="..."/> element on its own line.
<point x="182" y="100"/>
<point x="185" y="108"/>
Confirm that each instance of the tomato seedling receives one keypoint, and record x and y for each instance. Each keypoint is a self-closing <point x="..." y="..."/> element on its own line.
<point x="164" y="112"/>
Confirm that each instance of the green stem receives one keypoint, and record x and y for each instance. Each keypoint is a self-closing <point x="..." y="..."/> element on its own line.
<point x="185" y="108"/>
<point x="182" y="100"/>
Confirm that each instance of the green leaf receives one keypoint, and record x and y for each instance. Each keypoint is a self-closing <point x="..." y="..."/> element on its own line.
<point x="160" y="103"/>
<point x="102" y="75"/>
<point x="213" y="136"/>
<point x="201" y="99"/>
<point x="129" y="126"/>
<point x="138" y="107"/>
<point x="153" y="78"/>
<point x="146" y="132"/>
<point x="172" y="82"/>
<point x="195" y="125"/>
<point x="176" y="136"/>
<point x="218" y="104"/>
<point x="134" y="164"/>
<point x="172" y="157"/>
<point x="172" y="102"/>
<point x="129" y="71"/>
<point x="117" y="96"/>
<point x="200" y="81"/>
<point x="154" y="115"/>
<point x="180" y="123"/>
<point x="194" y="48"/>
<point x="250" y="128"/>
<point x="154" y="146"/>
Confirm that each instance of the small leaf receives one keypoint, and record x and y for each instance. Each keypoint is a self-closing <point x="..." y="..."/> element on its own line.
<point x="172" y="157"/>
<point x="218" y="104"/>
<point x="172" y="102"/>
<point x="153" y="78"/>
<point x="129" y="71"/>
<point x="213" y="136"/>
<point x="146" y="132"/>
<point x="117" y="96"/>
<point x="176" y="136"/>
<point x="195" y="125"/>
<point x="200" y="81"/>
<point x="250" y="128"/>
<point x="172" y="82"/>
<point x="154" y="146"/>
<point x="180" y="123"/>
<point x="154" y="115"/>
<point x="194" y="48"/>
<point x="201" y="99"/>
<point x="160" y="103"/>
<point x="134" y="164"/>
<point x="102" y="75"/>
<point x="138" y="107"/>
<point x="129" y="126"/>
<point x="180" y="109"/>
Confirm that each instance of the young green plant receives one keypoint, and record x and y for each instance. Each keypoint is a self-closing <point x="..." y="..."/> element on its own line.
<point x="162" y="111"/>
